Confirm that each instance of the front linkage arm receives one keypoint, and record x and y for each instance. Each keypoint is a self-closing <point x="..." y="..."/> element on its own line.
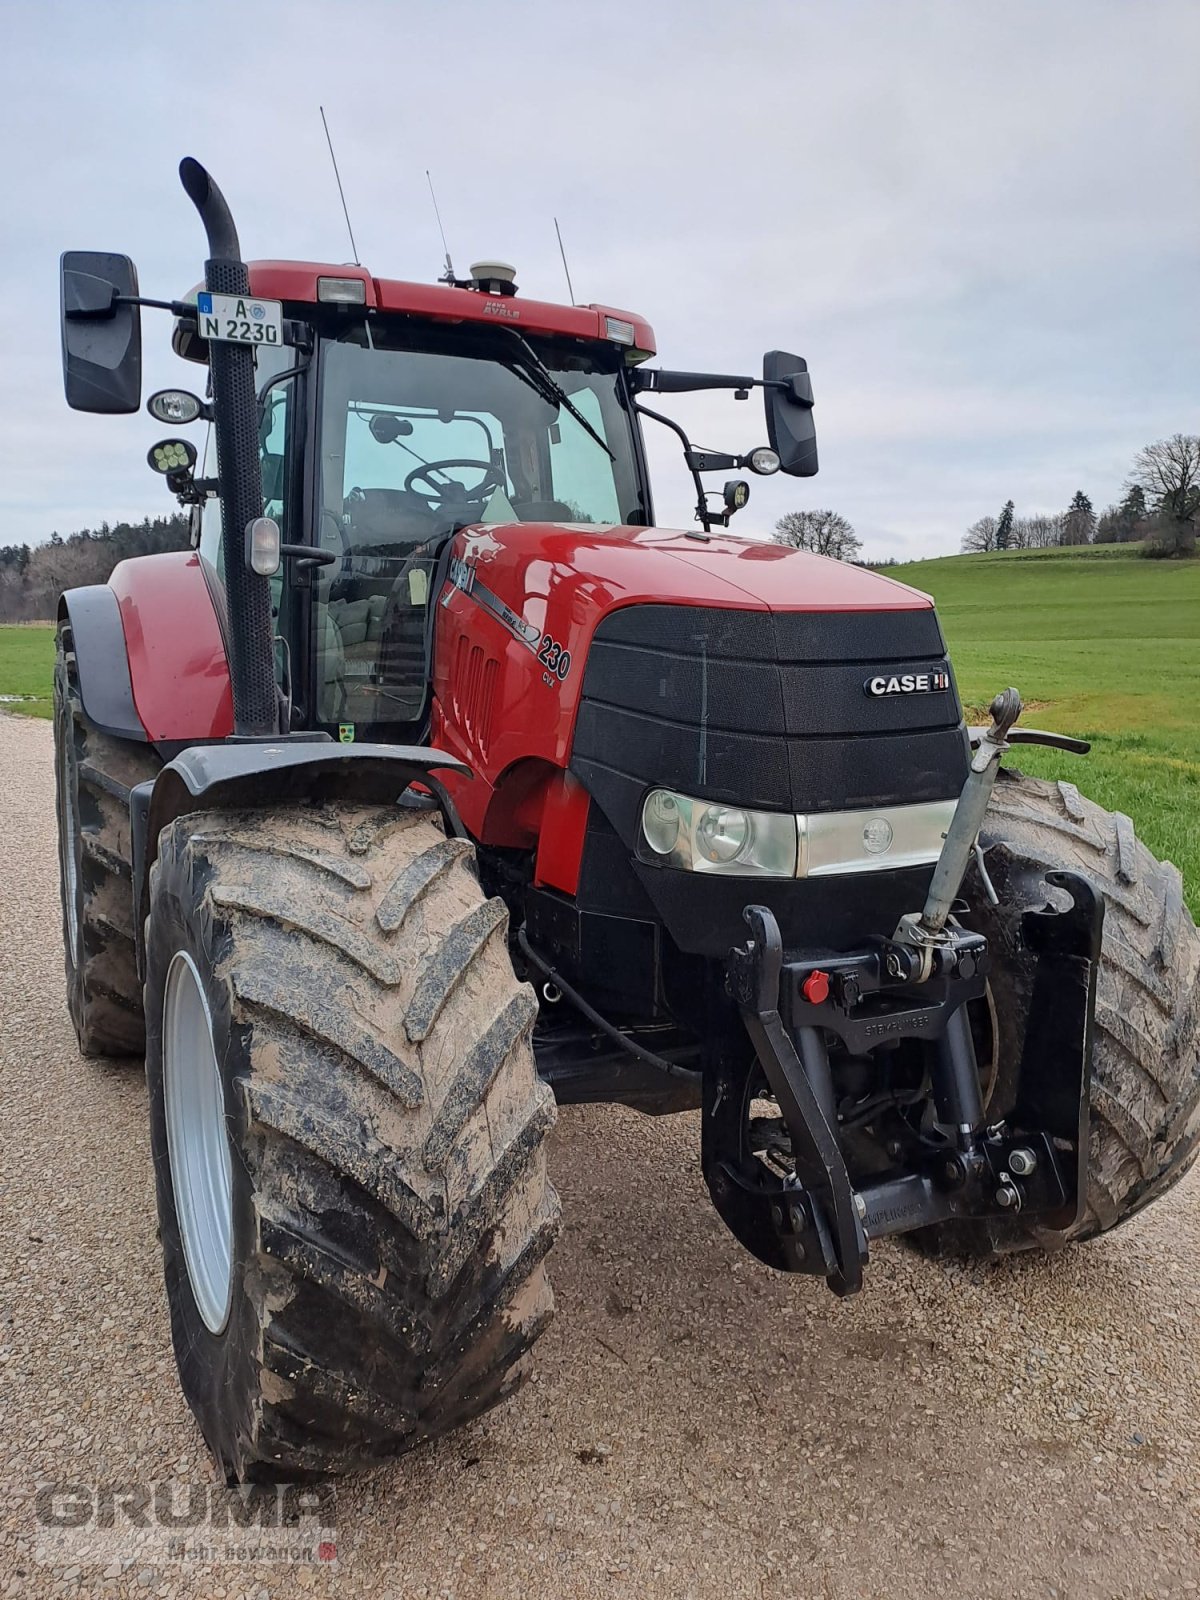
<point x="823" y="1223"/>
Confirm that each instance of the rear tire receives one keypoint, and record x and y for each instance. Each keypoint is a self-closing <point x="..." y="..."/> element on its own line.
<point x="388" y="1206"/>
<point x="94" y="774"/>
<point x="1145" y="1103"/>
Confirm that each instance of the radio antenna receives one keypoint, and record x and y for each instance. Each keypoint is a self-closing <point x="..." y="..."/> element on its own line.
<point x="563" y="253"/>
<point x="341" y="191"/>
<point x="448" y="275"/>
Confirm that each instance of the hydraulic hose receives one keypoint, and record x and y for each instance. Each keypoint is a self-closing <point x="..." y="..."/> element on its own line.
<point x="671" y="1068"/>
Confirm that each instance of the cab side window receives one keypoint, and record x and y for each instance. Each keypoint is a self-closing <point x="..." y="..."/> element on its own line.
<point x="273" y="453"/>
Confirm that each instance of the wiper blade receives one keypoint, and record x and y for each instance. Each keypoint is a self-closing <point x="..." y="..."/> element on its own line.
<point x="543" y="380"/>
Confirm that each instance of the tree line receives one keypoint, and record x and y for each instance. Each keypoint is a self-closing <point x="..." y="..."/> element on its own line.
<point x="828" y="533"/>
<point x="1160" y="509"/>
<point x="33" y="577"/>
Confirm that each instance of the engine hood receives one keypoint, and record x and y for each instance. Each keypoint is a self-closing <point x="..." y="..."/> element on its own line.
<point x="518" y="610"/>
<point x="669" y="565"/>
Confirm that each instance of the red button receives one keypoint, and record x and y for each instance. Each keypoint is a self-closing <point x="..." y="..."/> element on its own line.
<point x="815" y="988"/>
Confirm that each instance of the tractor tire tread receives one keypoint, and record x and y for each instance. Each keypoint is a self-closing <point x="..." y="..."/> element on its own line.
<point x="104" y="991"/>
<point x="392" y="1128"/>
<point x="1145" y="1103"/>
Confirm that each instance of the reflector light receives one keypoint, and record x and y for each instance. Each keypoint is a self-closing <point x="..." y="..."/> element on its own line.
<point x="263" y="540"/>
<point x="342" y="291"/>
<point x="700" y="836"/>
<point x="619" y="332"/>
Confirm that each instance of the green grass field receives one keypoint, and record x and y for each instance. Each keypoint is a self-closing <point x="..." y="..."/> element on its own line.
<point x="1099" y="643"/>
<point x="27" y="668"/>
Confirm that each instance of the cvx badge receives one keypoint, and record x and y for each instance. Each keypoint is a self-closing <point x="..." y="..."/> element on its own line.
<point x="883" y="683"/>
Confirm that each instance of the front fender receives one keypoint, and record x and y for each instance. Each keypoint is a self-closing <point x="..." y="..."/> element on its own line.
<point x="283" y="771"/>
<point x="93" y="616"/>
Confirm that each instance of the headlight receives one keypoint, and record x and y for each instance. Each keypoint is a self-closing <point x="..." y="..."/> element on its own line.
<point x="833" y="842"/>
<point x="709" y="836"/>
<point x="706" y="836"/>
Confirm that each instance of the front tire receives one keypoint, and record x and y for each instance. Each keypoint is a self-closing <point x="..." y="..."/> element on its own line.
<point x="1145" y="1095"/>
<point x="387" y="1210"/>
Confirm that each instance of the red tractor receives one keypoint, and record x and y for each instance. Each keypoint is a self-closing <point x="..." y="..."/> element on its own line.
<point x="436" y="784"/>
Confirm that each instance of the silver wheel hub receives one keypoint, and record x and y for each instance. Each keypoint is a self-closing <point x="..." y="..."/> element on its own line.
<point x="197" y="1141"/>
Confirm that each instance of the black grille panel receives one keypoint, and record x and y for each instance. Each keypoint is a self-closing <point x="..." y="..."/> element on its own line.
<point x="770" y="710"/>
<point x="867" y="636"/>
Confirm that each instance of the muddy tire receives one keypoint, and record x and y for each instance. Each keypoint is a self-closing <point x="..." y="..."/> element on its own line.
<point x="93" y="776"/>
<point x="388" y="1210"/>
<point x="1145" y="1104"/>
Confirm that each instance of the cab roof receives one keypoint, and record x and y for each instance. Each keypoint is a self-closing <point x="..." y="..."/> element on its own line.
<point x="296" y="281"/>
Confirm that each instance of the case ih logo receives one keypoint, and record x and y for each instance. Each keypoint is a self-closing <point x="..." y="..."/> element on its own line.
<point x="498" y="308"/>
<point x="908" y="683"/>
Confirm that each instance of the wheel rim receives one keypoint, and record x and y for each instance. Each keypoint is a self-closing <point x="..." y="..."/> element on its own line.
<point x="197" y="1143"/>
<point x="68" y="845"/>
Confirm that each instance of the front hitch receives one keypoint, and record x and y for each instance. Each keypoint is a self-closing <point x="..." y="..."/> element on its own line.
<point x="1021" y="1176"/>
<point x="824" y="1229"/>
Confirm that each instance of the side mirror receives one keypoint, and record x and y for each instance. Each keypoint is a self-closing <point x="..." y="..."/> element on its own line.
<point x="788" y="398"/>
<point x="101" y="332"/>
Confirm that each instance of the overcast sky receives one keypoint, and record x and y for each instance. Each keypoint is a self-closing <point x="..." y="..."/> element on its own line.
<point x="979" y="221"/>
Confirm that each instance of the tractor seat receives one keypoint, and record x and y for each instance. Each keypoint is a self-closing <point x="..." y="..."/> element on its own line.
<point x="358" y="622"/>
<point x="392" y="516"/>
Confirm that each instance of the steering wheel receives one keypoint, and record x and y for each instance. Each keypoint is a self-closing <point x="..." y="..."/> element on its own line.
<point x="451" y="492"/>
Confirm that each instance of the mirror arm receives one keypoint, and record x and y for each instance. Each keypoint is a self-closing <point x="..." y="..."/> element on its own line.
<point x="703" y="515"/>
<point x="660" y="380"/>
<point x="102" y="313"/>
<point x="177" y="308"/>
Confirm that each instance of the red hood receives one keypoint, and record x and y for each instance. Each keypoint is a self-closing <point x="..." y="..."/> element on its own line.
<point x="639" y="565"/>
<point x="516" y="617"/>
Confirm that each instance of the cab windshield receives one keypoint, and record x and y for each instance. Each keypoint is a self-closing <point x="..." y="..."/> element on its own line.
<point x="422" y="435"/>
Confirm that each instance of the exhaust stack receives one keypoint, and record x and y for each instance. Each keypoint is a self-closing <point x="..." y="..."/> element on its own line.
<point x="235" y="409"/>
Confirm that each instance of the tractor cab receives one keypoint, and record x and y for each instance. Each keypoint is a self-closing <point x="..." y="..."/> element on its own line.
<point x="418" y="428"/>
<point x="391" y="415"/>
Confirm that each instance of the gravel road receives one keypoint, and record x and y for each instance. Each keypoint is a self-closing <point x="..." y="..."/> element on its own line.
<point x="698" y="1426"/>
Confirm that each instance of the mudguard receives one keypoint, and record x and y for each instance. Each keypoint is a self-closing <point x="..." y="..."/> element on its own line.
<point x="175" y="649"/>
<point x="282" y="771"/>
<point x="93" y="615"/>
<point x="149" y="653"/>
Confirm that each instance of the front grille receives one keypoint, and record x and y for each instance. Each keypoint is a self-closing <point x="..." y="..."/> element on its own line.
<point x="759" y="710"/>
<point x="766" y="709"/>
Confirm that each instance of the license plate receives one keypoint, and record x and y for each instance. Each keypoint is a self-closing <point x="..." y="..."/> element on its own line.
<point x="238" y="318"/>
